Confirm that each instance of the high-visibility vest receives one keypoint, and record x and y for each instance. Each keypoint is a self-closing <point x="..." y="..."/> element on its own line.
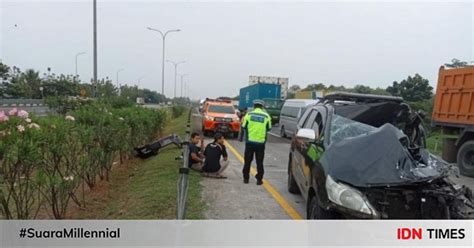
<point x="257" y="123"/>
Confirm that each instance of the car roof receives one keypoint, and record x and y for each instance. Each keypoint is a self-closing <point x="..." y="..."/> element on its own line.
<point x="300" y="102"/>
<point x="360" y="98"/>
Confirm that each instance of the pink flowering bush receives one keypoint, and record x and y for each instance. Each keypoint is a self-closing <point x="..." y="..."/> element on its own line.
<point x="43" y="161"/>
<point x="61" y="149"/>
<point x="22" y="114"/>
<point x="19" y="158"/>
<point x="13" y="112"/>
<point x="3" y="117"/>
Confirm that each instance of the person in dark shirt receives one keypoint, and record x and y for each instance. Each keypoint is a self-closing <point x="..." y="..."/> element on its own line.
<point x="242" y="130"/>
<point x="196" y="158"/>
<point x="213" y="164"/>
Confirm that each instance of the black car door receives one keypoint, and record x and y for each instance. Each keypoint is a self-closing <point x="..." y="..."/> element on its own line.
<point x="301" y="170"/>
<point x="312" y="169"/>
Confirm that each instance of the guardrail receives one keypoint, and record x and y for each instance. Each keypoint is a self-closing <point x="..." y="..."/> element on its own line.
<point x="182" y="186"/>
<point x="20" y="102"/>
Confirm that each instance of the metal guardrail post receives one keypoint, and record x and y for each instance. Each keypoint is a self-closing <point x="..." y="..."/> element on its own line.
<point x="182" y="186"/>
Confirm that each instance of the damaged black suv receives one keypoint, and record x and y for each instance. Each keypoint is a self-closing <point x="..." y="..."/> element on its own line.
<point x="364" y="156"/>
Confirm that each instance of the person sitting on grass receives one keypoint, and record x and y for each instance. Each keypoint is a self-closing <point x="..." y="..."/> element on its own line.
<point x="196" y="158"/>
<point x="213" y="164"/>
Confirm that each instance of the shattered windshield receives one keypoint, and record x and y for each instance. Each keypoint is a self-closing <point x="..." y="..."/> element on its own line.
<point x="342" y="128"/>
<point x="363" y="155"/>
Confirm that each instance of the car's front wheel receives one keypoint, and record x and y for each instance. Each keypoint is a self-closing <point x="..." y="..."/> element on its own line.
<point x="207" y="133"/>
<point x="292" y="186"/>
<point x="235" y="135"/>
<point x="282" y="132"/>
<point x="315" y="212"/>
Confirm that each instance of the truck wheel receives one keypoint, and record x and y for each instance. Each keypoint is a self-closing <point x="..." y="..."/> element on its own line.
<point x="292" y="186"/>
<point x="466" y="159"/>
<point x="235" y="135"/>
<point x="282" y="132"/>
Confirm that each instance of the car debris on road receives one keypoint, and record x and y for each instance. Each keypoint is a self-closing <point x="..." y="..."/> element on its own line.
<point x="153" y="148"/>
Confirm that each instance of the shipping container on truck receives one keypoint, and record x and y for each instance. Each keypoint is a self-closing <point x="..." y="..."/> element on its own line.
<point x="258" y="91"/>
<point x="453" y="112"/>
<point x="269" y="93"/>
<point x="282" y="81"/>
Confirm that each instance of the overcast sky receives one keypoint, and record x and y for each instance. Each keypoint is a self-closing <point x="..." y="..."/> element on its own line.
<point x="223" y="43"/>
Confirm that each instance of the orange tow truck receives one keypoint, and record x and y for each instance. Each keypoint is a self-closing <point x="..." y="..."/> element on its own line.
<point x="220" y="116"/>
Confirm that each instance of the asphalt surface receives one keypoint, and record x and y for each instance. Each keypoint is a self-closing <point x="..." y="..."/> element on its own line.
<point x="231" y="199"/>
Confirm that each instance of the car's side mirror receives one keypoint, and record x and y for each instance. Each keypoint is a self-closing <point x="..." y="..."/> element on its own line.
<point x="306" y="134"/>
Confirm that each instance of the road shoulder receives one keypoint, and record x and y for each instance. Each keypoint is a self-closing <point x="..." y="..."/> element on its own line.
<point x="232" y="199"/>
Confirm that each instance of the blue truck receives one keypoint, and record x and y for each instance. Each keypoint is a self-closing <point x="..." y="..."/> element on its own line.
<point x="269" y="93"/>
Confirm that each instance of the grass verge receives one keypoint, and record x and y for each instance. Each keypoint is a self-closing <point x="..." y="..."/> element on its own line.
<point x="146" y="189"/>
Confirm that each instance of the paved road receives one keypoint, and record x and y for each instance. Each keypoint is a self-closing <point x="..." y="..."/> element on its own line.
<point x="231" y="199"/>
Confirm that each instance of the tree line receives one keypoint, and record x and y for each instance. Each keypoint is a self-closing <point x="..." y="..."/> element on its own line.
<point x="31" y="84"/>
<point x="412" y="89"/>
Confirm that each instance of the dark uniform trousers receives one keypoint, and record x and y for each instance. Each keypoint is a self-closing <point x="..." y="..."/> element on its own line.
<point x="259" y="151"/>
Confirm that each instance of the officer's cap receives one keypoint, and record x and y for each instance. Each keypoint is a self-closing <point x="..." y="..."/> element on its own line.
<point x="258" y="102"/>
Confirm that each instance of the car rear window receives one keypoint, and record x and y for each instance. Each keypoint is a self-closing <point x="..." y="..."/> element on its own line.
<point x="221" y="109"/>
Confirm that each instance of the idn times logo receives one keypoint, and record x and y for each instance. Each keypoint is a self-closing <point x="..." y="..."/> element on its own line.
<point x="405" y="233"/>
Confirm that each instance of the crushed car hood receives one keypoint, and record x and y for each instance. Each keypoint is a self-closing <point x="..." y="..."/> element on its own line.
<point x="380" y="158"/>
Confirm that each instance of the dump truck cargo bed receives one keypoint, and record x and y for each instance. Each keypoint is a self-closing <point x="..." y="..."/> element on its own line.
<point x="454" y="102"/>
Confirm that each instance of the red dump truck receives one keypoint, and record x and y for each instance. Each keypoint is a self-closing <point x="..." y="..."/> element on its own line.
<point x="453" y="111"/>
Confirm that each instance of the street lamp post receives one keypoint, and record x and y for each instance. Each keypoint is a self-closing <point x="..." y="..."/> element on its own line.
<point x="117" y="82"/>
<point x="182" y="76"/>
<point x="175" y="72"/>
<point x="94" y="85"/>
<point x="77" y="55"/>
<point x="163" y="35"/>
<point x="185" y="89"/>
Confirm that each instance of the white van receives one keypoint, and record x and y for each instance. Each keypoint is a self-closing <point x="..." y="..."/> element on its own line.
<point x="290" y="113"/>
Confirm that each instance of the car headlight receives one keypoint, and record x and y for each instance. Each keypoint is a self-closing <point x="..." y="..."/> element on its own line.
<point x="236" y="119"/>
<point x="348" y="197"/>
<point x="209" y="118"/>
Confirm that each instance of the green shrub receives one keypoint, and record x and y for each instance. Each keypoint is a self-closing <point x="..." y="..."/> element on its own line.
<point x="19" y="156"/>
<point x="177" y="110"/>
<point x="44" y="160"/>
<point x="64" y="104"/>
<point x="117" y="102"/>
<point x="427" y="107"/>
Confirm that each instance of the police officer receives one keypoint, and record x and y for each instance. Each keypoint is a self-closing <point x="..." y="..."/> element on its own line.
<point x="256" y="124"/>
